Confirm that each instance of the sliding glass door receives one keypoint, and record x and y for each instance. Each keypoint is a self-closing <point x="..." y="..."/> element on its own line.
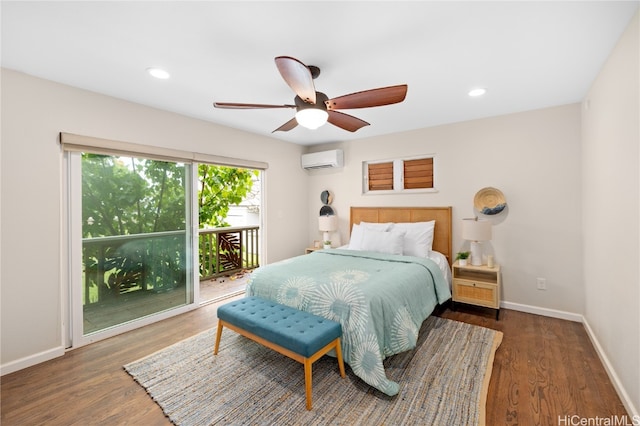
<point x="131" y="242"/>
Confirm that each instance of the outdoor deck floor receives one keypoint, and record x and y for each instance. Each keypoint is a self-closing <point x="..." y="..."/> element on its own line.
<point x="138" y="305"/>
<point x="216" y="289"/>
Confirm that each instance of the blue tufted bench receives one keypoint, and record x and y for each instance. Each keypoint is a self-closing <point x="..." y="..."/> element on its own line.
<point x="299" y="335"/>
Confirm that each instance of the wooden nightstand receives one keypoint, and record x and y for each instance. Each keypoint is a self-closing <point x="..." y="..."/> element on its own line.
<point x="310" y="250"/>
<point x="477" y="285"/>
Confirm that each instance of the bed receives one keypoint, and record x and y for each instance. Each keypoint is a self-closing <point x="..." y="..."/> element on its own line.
<point x="378" y="295"/>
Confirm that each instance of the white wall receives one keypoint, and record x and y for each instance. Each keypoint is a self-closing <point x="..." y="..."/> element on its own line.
<point x="532" y="157"/>
<point x="34" y="111"/>
<point x="611" y="213"/>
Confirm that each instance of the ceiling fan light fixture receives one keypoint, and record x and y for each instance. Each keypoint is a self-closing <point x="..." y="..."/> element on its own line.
<point x="311" y="118"/>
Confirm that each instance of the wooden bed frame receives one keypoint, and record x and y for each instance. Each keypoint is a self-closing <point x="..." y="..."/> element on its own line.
<point x="442" y="216"/>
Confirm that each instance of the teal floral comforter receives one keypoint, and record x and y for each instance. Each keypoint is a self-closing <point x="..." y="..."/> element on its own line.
<point x="381" y="301"/>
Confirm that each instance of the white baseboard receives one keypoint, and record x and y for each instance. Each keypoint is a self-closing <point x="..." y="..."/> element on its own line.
<point x="622" y="393"/>
<point x="570" y="316"/>
<point x="553" y="313"/>
<point x="31" y="360"/>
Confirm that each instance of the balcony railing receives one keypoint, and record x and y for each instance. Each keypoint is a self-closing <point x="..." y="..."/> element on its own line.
<point x="227" y="250"/>
<point x="155" y="261"/>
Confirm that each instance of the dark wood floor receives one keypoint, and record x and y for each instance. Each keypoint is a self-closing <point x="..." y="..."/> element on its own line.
<point x="545" y="368"/>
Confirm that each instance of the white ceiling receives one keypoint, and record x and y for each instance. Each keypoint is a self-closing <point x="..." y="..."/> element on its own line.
<point x="528" y="55"/>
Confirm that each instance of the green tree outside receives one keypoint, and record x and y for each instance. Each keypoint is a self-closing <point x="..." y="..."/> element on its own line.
<point x="220" y="188"/>
<point x="124" y="196"/>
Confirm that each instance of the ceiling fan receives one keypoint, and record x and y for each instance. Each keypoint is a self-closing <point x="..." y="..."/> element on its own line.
<point x="313" y="108"/>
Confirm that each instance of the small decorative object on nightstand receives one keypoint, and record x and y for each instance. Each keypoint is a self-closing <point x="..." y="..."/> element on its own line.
<point x="477" y="285"/>
<point x="462" y="257"/>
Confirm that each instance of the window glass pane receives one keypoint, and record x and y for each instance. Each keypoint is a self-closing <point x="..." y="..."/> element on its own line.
<point x="135" y="240"/>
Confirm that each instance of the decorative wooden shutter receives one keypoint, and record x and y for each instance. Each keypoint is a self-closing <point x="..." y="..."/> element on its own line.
<point x="418" y="173"/>
<point x="380" y="176"/>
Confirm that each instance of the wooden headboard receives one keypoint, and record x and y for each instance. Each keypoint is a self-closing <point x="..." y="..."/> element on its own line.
<point x="442" y="216"/>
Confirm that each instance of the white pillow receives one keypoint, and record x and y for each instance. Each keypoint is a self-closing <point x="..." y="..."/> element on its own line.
<point x="377" y="226"/>
<point x="418" y="238"/>
<point x="390" y="242"/>
<point x="357" y="232"/>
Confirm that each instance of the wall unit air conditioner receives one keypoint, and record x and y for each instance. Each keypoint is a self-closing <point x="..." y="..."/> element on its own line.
<point x="322" y="160"/>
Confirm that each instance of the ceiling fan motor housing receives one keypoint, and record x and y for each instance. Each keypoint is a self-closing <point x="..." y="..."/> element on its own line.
<point x="320" y="104"/>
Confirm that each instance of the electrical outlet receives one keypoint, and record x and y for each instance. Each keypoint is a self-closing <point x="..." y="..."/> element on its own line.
<point x="542" y="283"/>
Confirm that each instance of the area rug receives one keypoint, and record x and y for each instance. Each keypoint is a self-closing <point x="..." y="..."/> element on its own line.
<point x="443" y="381"/>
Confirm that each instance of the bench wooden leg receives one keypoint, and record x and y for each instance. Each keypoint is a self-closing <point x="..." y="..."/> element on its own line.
<point x="339" y="356"/>
<point x="218" y="336"/>
<point x="307" y="381"/>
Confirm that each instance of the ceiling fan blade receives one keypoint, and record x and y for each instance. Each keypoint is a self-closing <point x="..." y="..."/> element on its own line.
<point x="287" y="126"/>
<point x="298" y="76"/>
<point x="346" y="121"/>
<point x="369" y="98"/>
<point x="231" y="105"/>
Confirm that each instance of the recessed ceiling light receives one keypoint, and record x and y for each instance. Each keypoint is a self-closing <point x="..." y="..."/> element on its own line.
<point x="477" y="92"/>
<point x="158" y="73"/>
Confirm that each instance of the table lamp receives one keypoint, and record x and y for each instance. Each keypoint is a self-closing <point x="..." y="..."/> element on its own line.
<point x="327" y="224"/>
<point x="476" y="230"/>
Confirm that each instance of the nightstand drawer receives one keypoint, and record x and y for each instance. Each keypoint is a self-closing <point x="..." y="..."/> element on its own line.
<point x="475" y="292"/>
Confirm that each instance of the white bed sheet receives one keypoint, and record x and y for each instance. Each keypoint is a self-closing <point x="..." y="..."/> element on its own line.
<point x="441" y="260"/>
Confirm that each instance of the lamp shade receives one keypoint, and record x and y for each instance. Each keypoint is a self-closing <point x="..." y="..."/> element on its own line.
<point x="476" y="229"/>
<point x="328" y="223"/>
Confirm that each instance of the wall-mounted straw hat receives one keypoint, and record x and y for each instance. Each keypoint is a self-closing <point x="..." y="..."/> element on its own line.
<point x="489" y="201"/>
